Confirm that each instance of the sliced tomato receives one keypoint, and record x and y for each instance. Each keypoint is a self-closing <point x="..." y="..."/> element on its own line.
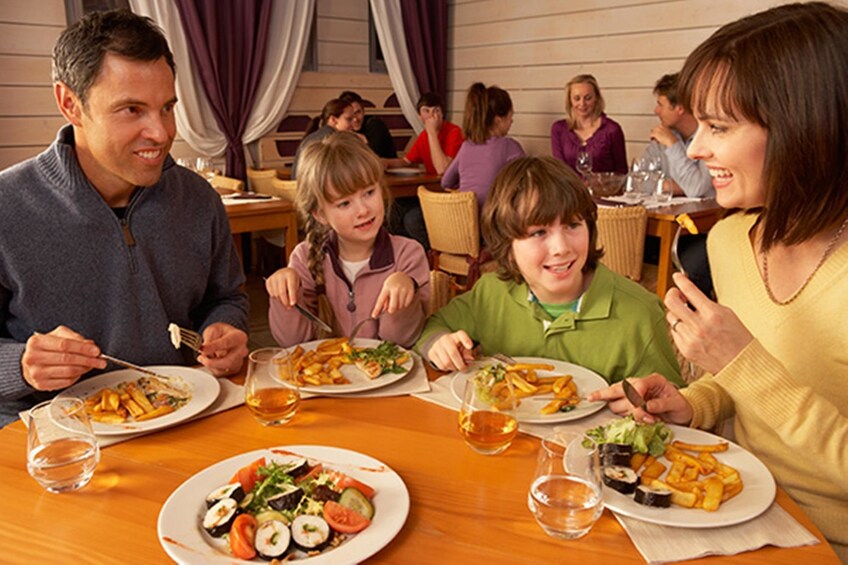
<point x="343" y="481"/>
<point x="343" y="519"/>
<point x="313" y="472"/>
<point x="248" y="475"/>
<point x="242" y="537"/>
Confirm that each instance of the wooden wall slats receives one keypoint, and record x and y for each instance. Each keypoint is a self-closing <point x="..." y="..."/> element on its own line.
<point x="25" y="101"/>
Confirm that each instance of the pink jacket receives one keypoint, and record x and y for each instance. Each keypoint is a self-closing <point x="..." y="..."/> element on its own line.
<point x="352" y="303"/>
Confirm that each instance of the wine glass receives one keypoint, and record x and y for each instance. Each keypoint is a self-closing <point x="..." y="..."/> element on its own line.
<point x="270" y="390"/>
<point x="203" y="166"/>
<point x="487" y="416"/>
<point x="635" y="179"/>
<point x="62" y="450"/>
<point x="565" y="496"/>
<point x="584" y="162"/>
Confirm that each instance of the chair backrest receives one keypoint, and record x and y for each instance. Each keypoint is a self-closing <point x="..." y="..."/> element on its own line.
<point x="285" y="189"/>
<point x="621" y="232"/>
<point x="259" y="180"/>
<point x="440" y="291"/>
<point x="453" y="224"/>
<point x="228" y="183"/>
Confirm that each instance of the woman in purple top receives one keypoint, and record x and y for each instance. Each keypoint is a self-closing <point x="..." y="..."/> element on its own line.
<point x="587" y="127"/>
<point x="486" y="149"/>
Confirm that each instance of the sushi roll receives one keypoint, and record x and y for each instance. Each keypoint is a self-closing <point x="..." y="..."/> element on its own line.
<point x="233" y="491"/>
<point x="286" y="500"/>
<point x="616" y="454"/>
<point x="656" y="497"/>
<point x="272" y="540"/>
<point x="295" y="466"/>
<point x="219" y="519"/>
<point x="323" y="493"/>
<point x="620" y="478"/>
<point x="311" y="533"/>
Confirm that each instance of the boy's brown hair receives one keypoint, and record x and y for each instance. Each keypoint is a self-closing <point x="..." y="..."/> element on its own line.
<point x="535" y="191"/>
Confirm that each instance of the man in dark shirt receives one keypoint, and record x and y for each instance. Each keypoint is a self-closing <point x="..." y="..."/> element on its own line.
<point x="373" y="128"/>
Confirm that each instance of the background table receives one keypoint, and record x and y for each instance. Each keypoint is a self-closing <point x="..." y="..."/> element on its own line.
<point x="259" y="216"/>
<point x="662" y="224"/>
<point x="465" y="507"/>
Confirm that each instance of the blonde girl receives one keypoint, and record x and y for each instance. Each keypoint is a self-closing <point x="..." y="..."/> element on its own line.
<point x="349" y="268"/>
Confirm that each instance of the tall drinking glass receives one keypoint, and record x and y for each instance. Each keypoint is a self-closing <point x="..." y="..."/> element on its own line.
<point x="565" y="495"/>
<point x="270" y="391"/>
<point x="487" y="416"/>
<point x="62" y="451"/>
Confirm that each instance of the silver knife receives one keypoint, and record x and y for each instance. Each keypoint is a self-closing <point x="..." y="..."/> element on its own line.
<point x="133" y="366"/>
<point x="313" y="318"/>
<point x="633" y="395"/>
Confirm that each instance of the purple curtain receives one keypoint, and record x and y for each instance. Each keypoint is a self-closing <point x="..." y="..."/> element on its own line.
<point x="425" y="24"/>
<point x="227" y="42"/>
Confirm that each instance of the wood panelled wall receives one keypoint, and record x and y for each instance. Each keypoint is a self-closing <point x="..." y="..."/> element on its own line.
<point x="532" y="48"/>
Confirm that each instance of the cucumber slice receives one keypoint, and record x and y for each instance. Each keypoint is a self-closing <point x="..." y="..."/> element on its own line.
<point x="354" y="499"/>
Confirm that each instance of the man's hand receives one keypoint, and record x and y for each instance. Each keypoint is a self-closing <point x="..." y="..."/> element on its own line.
<point x="663" y="135"/>
<point x="58" y="359"/>
<point x="224" y="349"/>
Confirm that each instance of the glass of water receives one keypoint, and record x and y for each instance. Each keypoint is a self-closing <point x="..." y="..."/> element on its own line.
<point x="584" y="163"/>
<point x="665" y="189"/>
<point x="565" y="495"/>
<point x="62" y="451"/>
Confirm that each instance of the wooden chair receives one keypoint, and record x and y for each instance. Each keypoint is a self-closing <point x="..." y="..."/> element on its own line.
<point x="227" y="183"/>
<point x="621" y="232"/>
<point x="285" y="189"/>
<point x="259" y="180"/>
<point x="453" y="227"/>
<point x="440" y="291"/>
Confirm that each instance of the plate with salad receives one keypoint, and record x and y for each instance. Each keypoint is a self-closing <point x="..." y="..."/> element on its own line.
<point x="371" y="364"/>
<point x="755" y="497"/>
<point x="306" y="503"/>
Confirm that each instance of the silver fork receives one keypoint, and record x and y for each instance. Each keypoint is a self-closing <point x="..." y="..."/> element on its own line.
<point x="675" y="258"/>
<point x="359" y="325"/>
<point x="182" y="336"/>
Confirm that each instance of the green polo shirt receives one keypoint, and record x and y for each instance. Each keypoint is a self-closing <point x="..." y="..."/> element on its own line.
<point x="618" y="331"/>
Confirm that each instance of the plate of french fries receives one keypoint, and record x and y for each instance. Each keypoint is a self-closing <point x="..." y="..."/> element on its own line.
<point x="549" y="391"/>
<point x="325" y="366"/>
<point x="128" y="401"/>
<point x="713" y="483"/>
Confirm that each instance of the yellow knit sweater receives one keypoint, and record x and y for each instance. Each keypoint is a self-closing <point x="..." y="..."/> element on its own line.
<point x="789" y="387"/>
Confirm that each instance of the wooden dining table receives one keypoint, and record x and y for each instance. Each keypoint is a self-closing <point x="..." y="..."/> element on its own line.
<point x="270" y="214"/>
<point x="464" y="507"/>
<point x="662" y="223"/>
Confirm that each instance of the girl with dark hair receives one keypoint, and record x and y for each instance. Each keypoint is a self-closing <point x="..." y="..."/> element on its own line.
<point x="486" y="149"/>
<point x="337" y="115"/>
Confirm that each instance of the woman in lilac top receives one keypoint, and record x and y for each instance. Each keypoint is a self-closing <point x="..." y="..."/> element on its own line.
<point x="586" y="126"/>
<point x="486" y="149"/>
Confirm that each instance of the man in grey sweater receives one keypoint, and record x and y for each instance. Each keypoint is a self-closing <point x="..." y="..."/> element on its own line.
<point x="103" y="240"/>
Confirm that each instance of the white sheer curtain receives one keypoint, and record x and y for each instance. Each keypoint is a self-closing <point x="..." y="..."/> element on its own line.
<point x="389" y="25"/>
<point x="291" y="22"/>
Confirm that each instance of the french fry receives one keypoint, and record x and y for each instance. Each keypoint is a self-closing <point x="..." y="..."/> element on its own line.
<point x="520" y="383"/>
<point x="709" y="448"/>
<point x="636" y="461"/>
<point x="518" y="367"/>
<point x="655" y="470"/>
<point x="553" y="406"/>
<point x="138" y="396"/>
<point x="155" y="413"/>
<point x="678" y="497"/>
<point x="713" y="491"/>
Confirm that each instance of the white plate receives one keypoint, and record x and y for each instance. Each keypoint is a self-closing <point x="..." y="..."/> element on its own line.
<point x="405" y="171"/>
<point x="528" y="411"/>
<point x="205" y="389"/>
<point x="185" y="541"/>
<point x="754" y="499"/>
<point x="358" y="381"/>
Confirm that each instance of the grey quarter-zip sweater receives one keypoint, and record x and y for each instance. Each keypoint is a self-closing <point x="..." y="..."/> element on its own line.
<point x="66" y="258"/>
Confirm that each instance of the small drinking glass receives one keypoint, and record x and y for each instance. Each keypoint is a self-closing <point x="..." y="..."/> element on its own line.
<point x="487" y="416"/>
<point x="270" y="391"/>
<point x="204" y="168"/>
<point x="584" y="163"/>
<point x="664" y="189"/>
<point x="566" y="496"/>
<point x="62" y="450"/>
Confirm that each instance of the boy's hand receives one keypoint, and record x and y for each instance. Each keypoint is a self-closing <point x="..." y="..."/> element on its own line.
<point x="283" y="285"/>
<point x="452" y="352"/>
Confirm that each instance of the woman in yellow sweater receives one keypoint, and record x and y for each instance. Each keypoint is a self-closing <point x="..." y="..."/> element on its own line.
<point x="776" y="344"/>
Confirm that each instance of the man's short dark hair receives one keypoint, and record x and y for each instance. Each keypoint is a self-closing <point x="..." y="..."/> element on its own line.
<point x="79" y="51"/>
<point x="667" y="86"/>
<point x="431" y="100"/>
<point x="351" y="96"/>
